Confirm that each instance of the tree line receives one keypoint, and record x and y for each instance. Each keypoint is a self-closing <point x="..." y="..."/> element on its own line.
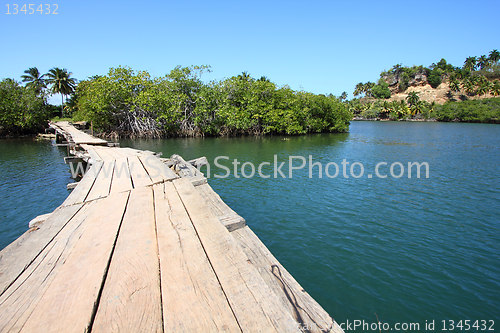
<point x="132" y="103"/>
<point x="24" y="109"/>
<point x="412" y="107"/>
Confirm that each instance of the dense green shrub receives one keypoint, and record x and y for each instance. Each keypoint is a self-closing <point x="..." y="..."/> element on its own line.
<point x="434" y="77"/>
<point x="180" y="104"/>
<point x="484" y="111"/>
<point x="21" y="110"/>
<point x="404" y="82"/>
<point x="381" y="90"/>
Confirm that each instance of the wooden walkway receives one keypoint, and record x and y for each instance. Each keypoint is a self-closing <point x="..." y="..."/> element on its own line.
<point x="75" y="136"/>
<point x="137" y="248"/>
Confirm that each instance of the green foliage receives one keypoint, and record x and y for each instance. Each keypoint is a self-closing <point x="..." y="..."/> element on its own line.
<point x="21" y="110"/>
<point x="444" y="66"/>
<point x="61" y="83"/>
<point x="412" y="98"/>
<point x="180" y="104"/>
<point x="437" y="71"/>
<point x="404" y="81"/>
<point x="381" y="90"/>
<point x="495" y="88"/>
<point x="484" y="110"/>
<point x="364" y="88"/>
<point x="494" y="56"/>
<point x="395" y="110"/>
<point x="482" y="66"/>
<point x="34" y="80"/>
<point x="454" y="85"/>
<point x="434" y="77"/>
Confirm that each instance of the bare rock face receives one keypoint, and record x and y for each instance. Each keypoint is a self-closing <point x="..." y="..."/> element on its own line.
<point x="420" y="79"/>
<point x="395" y="80"/>
<point x="391" y="80"/>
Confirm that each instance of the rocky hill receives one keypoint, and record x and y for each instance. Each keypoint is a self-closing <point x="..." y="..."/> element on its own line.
<point x="439" y="95"/>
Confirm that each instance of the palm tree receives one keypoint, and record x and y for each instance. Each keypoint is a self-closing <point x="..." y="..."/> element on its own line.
<point x="61" y="83"/>
<point x="483" y="87"/>
<point x="494" y="56"/>
<point x="483" y="62"/>
<point x="470" y="64"/>
<point x="343" y="96"/>
<point x="417" y="107"/>
<point x="412" y="98"/>
<point x="495" y="88"/>
<point x="34" y="79"/>
<point x="454" y="85"/>
<point x="358" y="89"/>
<point x="368" y="86"/>
<point x="244" y="76"/>
<point x="469" y="86"/>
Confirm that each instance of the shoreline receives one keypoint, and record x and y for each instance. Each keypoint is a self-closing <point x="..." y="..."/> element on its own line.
<point x="431" y="120"/>
<point x="399" y="120"/>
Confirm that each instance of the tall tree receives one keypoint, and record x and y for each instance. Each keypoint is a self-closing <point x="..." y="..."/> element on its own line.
<point x="494" y="56"/>
<point x="34" y="80"/>
<point x="367" y="88"/>
<point x="359" y="89"/>
<point x="412" y="98"/>
<point x="61" y="83"/>
<point x="470" y="64"/>
<point x="483" y="62"/>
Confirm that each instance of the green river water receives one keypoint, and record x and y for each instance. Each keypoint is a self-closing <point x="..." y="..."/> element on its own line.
<point x="400" y="249"/>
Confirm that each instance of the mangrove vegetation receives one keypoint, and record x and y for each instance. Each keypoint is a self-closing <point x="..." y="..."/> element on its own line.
<point x="133" y="103"/>
<point x="130" y="103"/>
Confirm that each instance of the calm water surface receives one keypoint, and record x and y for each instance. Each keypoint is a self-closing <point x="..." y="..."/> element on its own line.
<point x="400" y="249"/>
<point x="33" y="180"/>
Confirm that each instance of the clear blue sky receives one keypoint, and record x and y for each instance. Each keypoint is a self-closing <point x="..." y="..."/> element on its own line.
<point x="317" y="46"/>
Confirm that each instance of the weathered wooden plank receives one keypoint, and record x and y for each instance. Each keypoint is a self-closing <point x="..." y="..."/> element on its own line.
<point x="59" y="290"/>
<point x="157" y="170"/>
<point x="185" y="169"/>
<point x="121" y="176"/>
<point x="132" y="151"/>
<point x="140" y="177"/>
<point x="92" y="151"/>
<point x="102" y="185"/>
<point x="107" y="154"/>
<point x="252" y="301"/>
<point x="228" y="217"/>
<point x="38" y="220"/>
<point x="18" y="255"/>
<point x="193" y="300"/>
<point x="20" y="299"/>
<point x="306" y="311"/>
<point x="68" y="302"/>
<point x="79" y="194"/>
<point x="131" y="298"/>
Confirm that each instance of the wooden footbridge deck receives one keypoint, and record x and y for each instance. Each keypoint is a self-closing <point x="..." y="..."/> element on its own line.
<point x="143" y="244"/>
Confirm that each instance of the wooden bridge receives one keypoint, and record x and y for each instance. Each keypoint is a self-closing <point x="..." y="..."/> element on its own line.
<point x="143" y="244"/>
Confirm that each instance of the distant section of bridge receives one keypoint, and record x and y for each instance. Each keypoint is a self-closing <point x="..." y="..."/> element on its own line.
<point x="143" y="244"/>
